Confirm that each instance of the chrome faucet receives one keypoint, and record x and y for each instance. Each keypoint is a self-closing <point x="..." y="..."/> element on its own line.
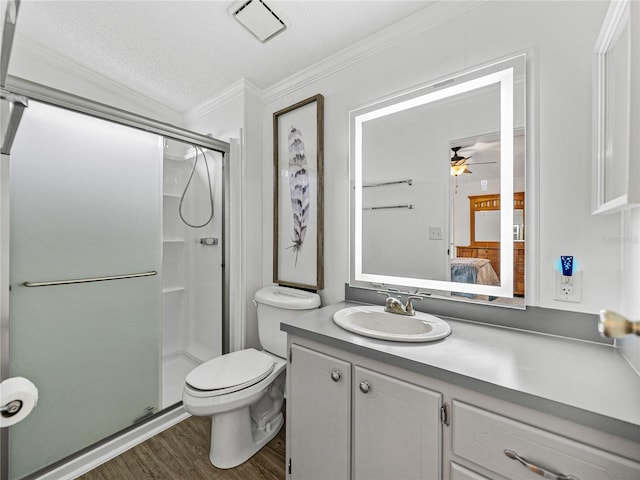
<point x="394" y="305"/>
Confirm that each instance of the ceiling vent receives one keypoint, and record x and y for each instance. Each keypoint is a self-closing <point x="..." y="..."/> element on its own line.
<point x="259" y="18"/>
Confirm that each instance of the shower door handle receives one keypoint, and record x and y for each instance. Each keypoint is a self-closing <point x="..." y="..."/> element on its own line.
<point x="89" y="280"/>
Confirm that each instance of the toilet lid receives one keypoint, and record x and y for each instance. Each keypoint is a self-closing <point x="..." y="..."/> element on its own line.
<point x="237" y="369"/>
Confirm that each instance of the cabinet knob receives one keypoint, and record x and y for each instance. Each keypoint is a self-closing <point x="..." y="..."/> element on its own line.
<point x="336" y="376"/>
<point x="365" y="387"/>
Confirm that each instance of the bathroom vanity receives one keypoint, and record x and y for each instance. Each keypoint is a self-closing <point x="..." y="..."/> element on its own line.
<point x="486" y="402"/>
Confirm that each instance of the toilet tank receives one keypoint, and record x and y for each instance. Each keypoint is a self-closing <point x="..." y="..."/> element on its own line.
<point x="276" y="304"/>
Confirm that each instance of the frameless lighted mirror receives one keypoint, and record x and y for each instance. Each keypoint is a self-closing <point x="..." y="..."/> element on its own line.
<point x="437" y="176"/>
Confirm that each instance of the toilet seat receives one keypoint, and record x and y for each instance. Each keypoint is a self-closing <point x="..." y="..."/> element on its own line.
<point x="229" y="373"/>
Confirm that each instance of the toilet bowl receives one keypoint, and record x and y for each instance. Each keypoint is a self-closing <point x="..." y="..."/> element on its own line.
<point x="246" y="415"/>
<point x="243" y="391"/>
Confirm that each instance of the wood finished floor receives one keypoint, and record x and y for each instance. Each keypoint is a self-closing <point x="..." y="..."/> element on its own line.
<point x="182" y="452"/>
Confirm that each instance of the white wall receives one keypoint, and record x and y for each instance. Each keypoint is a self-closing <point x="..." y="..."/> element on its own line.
<point x="560" y="83"/>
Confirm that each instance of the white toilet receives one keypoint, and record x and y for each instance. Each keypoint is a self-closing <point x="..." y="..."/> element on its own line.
<point x="243" y="391"/>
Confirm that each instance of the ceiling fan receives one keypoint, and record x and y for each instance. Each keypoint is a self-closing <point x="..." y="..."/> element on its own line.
<point x="459" y="163"/>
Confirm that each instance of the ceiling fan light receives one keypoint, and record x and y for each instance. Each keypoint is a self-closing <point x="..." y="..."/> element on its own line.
<point x="457" y="170"/>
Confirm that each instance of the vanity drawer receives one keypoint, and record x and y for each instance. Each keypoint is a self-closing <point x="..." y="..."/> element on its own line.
<point x="482" y="437"/>
<point x="458" y="472"/>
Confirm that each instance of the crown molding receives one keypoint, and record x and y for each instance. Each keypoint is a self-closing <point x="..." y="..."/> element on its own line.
<point x="431" y="16"/>
<point x="238" y="90"/>
<point x="41" y="54"/>
<point x="253" y="90"/>
<point x="435" y="14"/>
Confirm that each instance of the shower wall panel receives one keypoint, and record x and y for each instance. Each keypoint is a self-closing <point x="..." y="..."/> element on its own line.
<point x="205" y="265"/>
<point x="192" y="269"/>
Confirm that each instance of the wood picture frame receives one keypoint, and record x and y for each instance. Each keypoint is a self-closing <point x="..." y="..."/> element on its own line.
<point x="298" y="195"/>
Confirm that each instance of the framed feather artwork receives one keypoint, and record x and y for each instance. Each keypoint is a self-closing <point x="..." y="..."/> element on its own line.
<point x="298" y="219"/>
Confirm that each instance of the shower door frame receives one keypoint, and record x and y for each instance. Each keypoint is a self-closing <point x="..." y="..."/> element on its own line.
<point x="68" y="101"/>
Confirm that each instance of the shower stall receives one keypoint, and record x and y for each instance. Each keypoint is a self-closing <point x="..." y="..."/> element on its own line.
<point x="115" y="271"/>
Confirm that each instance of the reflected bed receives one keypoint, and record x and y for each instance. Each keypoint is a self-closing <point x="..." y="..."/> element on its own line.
<point x="473" y="270"/>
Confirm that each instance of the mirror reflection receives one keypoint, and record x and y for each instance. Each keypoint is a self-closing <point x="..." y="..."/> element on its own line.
<point x="417" y="161"/>
<point x="476" y="212"/>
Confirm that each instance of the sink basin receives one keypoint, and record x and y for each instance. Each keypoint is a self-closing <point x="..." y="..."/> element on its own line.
<point x="372" y="321"/>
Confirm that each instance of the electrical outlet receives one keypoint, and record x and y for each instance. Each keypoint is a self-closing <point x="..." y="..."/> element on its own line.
<point x="567" y="289"/>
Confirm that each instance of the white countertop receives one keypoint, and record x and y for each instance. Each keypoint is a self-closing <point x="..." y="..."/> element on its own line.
<point x="585" y="382"/>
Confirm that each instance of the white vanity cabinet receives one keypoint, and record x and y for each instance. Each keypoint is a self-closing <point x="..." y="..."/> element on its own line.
<point x="354" y="417"/>
<point x="347" y="421"/>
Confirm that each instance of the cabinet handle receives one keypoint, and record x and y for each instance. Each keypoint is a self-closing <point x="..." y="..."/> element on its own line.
<point x="365" y="387"/>
<point x="336" y="376"/>
<point x="538" y="470"/>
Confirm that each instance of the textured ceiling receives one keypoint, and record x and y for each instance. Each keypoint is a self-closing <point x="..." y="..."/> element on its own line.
<point x="182" y="53"/>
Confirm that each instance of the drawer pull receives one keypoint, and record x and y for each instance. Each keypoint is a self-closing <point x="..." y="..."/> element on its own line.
<point x="365" y="387"/>
<point x="538" y="470"/>
<point x="336" y="376"/>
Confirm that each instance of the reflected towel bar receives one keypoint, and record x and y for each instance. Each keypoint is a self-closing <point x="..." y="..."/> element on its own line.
<point x="408" y="182"/>
<point x="410" y="207"/>
<point x="89" y="280"/>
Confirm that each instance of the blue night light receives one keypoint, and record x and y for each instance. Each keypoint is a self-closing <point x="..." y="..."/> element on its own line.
<point x="566" y="264"/>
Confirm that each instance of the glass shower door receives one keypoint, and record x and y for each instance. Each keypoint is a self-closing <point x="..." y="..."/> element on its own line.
<point x="85" y="203"/>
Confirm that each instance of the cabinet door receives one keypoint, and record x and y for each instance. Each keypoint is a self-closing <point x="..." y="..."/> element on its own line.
<point x="320" y="410"/>
<point x="397" y="429"/>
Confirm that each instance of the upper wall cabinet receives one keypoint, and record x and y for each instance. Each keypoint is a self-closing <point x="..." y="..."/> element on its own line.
<point x="616" y="110"/>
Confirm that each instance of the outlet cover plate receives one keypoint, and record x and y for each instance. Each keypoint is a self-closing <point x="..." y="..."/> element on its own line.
<point x="567" y="292"/>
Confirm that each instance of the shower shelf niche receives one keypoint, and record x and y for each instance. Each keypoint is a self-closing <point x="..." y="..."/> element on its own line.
<point x="173" y="240"/>
<point x="173" y="290"/>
